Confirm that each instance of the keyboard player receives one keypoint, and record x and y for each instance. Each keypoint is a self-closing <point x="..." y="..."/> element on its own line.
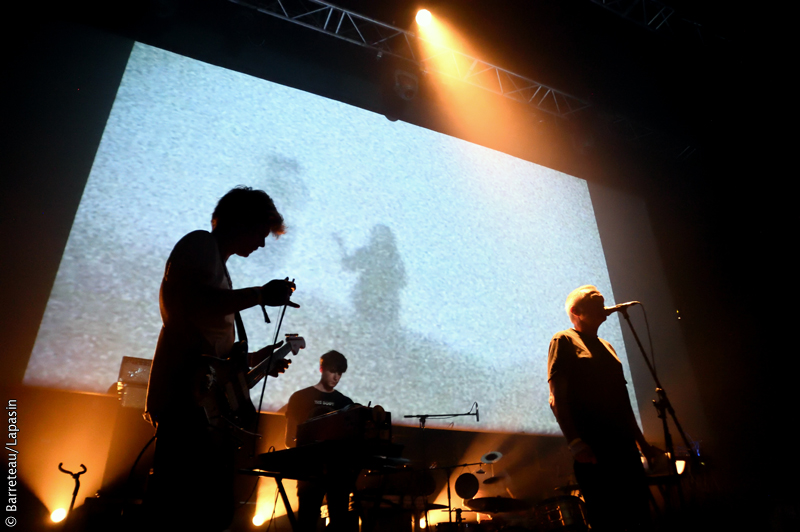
<point x="305" y="404"/>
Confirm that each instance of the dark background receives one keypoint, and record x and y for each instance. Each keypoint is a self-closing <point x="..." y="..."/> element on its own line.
<point x="721" y="215"/>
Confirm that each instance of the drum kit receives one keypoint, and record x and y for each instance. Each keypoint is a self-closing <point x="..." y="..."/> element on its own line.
<point x="563" y="513"/>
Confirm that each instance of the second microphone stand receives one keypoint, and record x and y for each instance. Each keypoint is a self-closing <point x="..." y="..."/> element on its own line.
<point x="423" y="418"/>
<point x="664" y="407"/>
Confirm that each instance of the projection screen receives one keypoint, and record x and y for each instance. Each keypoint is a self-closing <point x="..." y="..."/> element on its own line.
<point x="438" y="267"/>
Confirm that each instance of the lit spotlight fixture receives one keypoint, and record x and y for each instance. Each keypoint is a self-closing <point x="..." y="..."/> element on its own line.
<point x="424" y="17"/>
<point x="406" y="84"/>
<point x="58" y="515"/>
<point x="259" y="519"/>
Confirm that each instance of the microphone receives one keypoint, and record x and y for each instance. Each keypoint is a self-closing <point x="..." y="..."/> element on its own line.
<point x="621" y="306"/>
<point x="477" y="413"/>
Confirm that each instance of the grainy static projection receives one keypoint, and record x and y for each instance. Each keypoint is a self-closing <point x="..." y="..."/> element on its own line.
<point x="437" y="266"/>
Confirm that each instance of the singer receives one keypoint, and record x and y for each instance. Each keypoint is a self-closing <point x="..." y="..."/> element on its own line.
<point x="589" y="398"/>
<point x="193" y="469"/>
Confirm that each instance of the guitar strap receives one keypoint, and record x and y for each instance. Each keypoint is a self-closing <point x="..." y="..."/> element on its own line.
<point x="240" y="332"/>
<point x="241" y="335"/>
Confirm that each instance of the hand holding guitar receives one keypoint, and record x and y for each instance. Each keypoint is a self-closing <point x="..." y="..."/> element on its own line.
<point x="280" y="366"/>
<point x="223" y="385"/>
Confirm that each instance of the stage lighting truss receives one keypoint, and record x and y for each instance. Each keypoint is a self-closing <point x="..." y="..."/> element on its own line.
<point x="386" y="39"/>
<point x="649" y="14"/>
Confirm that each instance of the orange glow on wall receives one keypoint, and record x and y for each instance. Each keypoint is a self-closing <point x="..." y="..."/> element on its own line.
<point x="63" y="427"/>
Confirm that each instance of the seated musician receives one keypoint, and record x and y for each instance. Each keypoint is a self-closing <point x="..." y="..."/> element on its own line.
<point x="338" y="483"/>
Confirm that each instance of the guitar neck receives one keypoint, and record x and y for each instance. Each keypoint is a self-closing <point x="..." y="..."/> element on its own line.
<point x="258" y="372"/>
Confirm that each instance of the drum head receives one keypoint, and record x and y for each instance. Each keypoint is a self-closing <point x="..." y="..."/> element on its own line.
<point x="467" y="485"/>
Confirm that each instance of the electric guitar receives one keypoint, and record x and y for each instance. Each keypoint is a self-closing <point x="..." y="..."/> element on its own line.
<point x="222" y="385"/>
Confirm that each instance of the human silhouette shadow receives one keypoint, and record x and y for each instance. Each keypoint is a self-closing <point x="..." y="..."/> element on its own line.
<point x="381" y="279"/>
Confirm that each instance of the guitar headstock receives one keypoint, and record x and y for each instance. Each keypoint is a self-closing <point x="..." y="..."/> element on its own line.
<point x="295" y="342"/>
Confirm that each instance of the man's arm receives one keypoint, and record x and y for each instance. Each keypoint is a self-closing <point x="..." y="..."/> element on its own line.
<point x="650" y="452"/>
<point x="560" y="354"/>
<point x="211" y="301"/>
<point x="223" y="302"/>
<point x="560" y="406"/>
<point x="580" y="450"/>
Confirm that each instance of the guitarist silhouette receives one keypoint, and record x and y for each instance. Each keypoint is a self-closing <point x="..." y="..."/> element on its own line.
<point x="193" y="470"/>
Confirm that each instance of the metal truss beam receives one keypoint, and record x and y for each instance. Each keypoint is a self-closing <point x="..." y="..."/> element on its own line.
<point x="662" y="19"/>
<point x="649" y="14"/>
<point x="385" y="39"/>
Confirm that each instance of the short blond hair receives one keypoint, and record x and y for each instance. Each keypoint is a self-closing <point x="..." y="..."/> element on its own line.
<point x="576" y="296"/>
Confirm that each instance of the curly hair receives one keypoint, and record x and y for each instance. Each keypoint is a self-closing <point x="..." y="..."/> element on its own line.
<point x="243" y="207"/>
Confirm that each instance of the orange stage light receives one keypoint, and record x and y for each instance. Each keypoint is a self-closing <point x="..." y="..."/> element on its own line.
<point x="424" y="17"/>
<point x="58" y="515"/>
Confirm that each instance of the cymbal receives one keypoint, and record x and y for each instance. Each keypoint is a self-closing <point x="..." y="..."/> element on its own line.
<point x="434" y="506"/>
<point x="496" y="505"/>
<point x="491" y="457"/>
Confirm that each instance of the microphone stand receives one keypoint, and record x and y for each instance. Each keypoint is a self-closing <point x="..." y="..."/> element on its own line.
<point x="664" y="407"/>
<point x="77" y="478"/>
<point x="448" y="470"/>
<point x="422" y="419"/>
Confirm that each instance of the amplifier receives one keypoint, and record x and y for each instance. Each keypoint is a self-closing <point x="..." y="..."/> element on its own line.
<point x="132" y="382"/>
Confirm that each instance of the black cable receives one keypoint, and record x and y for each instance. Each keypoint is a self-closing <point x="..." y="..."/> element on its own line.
<point x="650" y="339"/>
<point x="258" y="410"/>
<point x="266" y="376"/>
<point x="261" y="398"/>
<point x="129" y="482"/>
<point x="280" y="322"/>
<point x="274" y="507"/>
<point x="255" y="485"/>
